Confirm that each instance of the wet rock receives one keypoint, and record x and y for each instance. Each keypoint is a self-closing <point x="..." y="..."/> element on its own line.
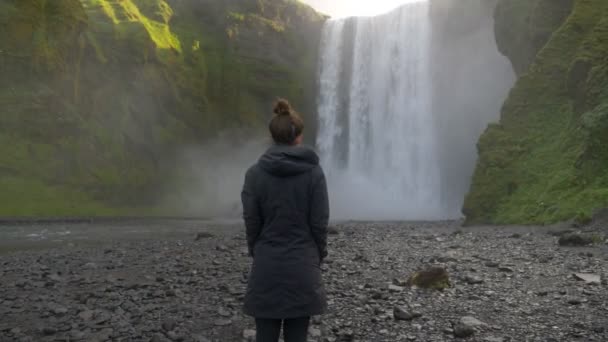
<point x="222" y="322"/>
<point x="314" y="332"/>
<point x="493" y="339"/>
<point x="222" y="248"/>
<point x="59" y="310"/>
<point x="588" y="278"/>
<point x="399" y="282"/>
<point x="201" y="338"/>
<point x="159" y="338"/>
<point x="86" y="315"/>
<point x="175" y="336"/>
<point x="404" y="314"/>
<point x="169" y="324"/>
<point x="472" y="321"/>
<point x="473" y="280"/>
<point x="224" y="312"/>
<point x="467" y="326"/>
<point x="575" y="239"/>
<point x="203" y="235"/>
<point x="249" y="335"/>
<point x="463" y="331"/>
<point x="332" y="230"/>
<point x="492" y="264"/>
<point x="395" y="288"/>
<point x="47" y="331"/>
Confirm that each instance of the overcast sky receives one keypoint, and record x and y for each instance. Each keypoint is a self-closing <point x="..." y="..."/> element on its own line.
<point x="346" y="8"/>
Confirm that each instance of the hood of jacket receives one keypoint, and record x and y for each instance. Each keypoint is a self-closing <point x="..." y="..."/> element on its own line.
<point x="286" y="161"/>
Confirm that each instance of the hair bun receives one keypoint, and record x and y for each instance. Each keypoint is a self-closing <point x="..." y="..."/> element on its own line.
<point x="282" y="107"/>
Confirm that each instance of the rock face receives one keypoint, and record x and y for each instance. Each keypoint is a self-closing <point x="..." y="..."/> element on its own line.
<point x="97" y="101"/>
<point x="546" y="159"/>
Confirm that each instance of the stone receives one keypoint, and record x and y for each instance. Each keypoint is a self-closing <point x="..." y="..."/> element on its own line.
<point x="492" y="264"/>
<point x="203" y="235"/>
<point x="314" y="332"/>
<point x="575" y="240"/>
<point x="222" y="322"/>
<point x="159" y="338"/>
<point x="332" y="230"/>
<point x="222" y="248"/>
<point x="224" y="312"/>
<point x="395" y="288"/>
<point x="59" y="310"/>
<point x="49" y="331"/>
<point x="493" y="339"/>
<point x="589" y="278"/>
<point x="400" y="282"/>
<point x="174" y="336"/>
<point x="201" y="338"/>
<point x="574" y="301"/>
<point x="169" y="324"/>
<point x="472" y="321"/>
<point x="86" y="315"/>
<point x="463" y="331"/>
<point x="473" y="280"/>
<point x="402" y="314"/>
<point x="249" y="335"/>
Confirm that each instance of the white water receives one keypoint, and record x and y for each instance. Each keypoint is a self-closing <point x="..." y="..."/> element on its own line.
<point x="379" y="136"/>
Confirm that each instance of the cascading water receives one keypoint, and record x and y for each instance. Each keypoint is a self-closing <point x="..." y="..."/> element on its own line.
<point x="380" y="134"/>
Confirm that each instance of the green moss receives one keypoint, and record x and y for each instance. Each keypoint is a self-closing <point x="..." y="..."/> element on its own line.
<point x="97" y="97"/>
<point x="543" y="163"/>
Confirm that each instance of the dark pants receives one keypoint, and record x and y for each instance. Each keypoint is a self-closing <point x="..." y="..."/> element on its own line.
<point x="294" y="330"/>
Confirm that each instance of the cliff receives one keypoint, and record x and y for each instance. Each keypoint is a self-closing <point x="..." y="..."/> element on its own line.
<point x="546" y="160"/>
<point x="96" y="96"/>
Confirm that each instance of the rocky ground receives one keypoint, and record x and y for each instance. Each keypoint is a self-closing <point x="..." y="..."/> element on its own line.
<point x="508" y="284"/>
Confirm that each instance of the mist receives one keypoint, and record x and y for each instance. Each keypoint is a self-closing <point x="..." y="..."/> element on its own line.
<point x="404" y="98"/>
<point x="209" y="177"/>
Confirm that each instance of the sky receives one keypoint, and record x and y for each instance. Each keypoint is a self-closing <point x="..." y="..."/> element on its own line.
<point x="347" y="8"/>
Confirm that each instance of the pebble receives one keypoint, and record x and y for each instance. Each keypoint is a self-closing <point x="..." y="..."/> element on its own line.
<point x="172" y="292"/>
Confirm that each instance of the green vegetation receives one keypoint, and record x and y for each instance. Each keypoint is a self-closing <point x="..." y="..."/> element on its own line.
<point x="546" y="159"/>
<point x="97" y="97"/>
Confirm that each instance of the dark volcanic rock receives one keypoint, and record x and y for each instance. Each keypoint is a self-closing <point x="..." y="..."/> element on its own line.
<point x="575" y="239"/>
<point x="203" y="235"/>
<point x="178" y="293"/>
<point x="403" y="314"/>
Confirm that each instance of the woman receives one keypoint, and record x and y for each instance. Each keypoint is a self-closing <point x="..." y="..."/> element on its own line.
<point x="286" y="210"/>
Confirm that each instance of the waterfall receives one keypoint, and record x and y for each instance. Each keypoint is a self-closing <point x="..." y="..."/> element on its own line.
<point x="380" y="133"/>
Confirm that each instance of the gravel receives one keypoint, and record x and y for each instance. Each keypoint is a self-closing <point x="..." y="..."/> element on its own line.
<point x="507" y="284"/>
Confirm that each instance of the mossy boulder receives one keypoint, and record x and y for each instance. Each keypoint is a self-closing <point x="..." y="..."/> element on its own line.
<point x="436" y="278"/>
<point x="579" y="239"/>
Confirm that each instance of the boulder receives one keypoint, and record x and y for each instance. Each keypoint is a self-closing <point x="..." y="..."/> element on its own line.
<point x="431" y="278"/>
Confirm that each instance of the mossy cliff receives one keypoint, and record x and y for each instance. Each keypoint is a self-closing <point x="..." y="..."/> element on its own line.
<point x="96" y="96"/>
<point x="546" y="160"/>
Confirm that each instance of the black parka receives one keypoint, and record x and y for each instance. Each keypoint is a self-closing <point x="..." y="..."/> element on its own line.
<point x="286" y="211"/>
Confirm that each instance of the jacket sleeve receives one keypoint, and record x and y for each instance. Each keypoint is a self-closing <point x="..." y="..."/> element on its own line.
<point x="319" y="213"/>
<point x="251" y="212"/>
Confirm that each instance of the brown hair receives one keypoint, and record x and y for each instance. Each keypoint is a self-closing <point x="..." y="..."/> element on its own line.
<point x="286" y="125"/>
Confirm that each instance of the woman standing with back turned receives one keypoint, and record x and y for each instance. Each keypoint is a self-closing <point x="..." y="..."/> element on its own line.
<point x="286" y="211"/>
